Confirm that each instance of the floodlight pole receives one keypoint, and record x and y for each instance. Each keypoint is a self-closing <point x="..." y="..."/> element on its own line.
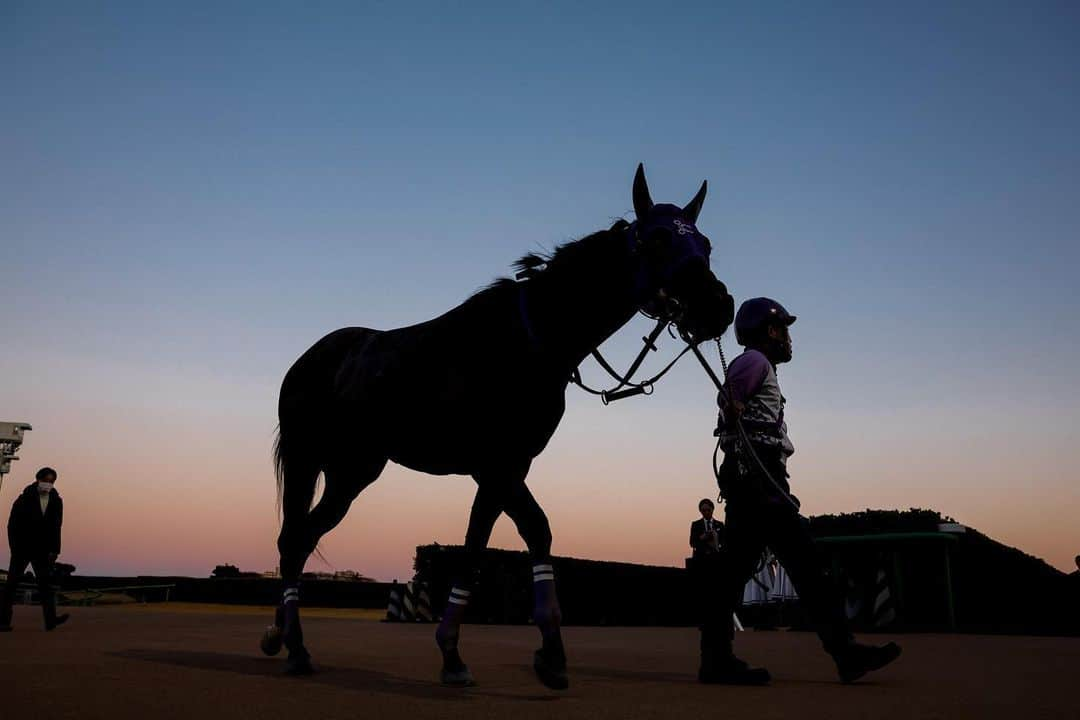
<point x="11" y="438"/>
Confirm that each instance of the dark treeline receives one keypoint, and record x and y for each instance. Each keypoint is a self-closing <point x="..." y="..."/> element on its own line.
<point x="995" y="588"/>
<point x="241" y="590"/>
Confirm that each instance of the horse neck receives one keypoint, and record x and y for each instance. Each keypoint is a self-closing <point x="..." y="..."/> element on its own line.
<point x="577" y="309"/>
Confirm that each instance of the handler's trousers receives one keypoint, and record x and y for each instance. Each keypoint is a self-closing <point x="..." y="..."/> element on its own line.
<point x="42" y="572"/>
<point x="754" y="521"/>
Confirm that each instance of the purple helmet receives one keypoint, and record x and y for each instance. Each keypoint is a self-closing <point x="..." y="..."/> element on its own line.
<point x="756" y="314"/>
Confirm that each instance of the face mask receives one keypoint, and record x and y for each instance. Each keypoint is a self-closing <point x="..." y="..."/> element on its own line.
<point x="44" y="487"/>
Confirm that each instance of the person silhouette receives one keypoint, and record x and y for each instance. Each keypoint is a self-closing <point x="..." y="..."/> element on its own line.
<point x="761" y="512"/>
<point x="34" y="538"/>
<point x="706" y="533"/>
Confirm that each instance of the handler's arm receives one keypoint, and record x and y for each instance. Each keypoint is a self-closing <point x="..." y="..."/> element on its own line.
<point x="13" y="525"/>
<point x="745" y="376"/>
<point x="55" y="549"/>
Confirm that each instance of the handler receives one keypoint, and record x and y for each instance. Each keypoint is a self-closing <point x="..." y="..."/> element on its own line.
<point x="762" y="512"/>
<point x="34" y="538"/>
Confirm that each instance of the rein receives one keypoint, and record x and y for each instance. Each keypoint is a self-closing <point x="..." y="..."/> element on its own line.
<point x="644" y="387"/>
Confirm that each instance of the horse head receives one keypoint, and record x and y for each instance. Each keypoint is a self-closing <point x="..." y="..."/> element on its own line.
<point x="675" y="279"/>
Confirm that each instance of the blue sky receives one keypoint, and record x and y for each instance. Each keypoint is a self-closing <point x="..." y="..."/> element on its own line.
<point x="191" y="195"/>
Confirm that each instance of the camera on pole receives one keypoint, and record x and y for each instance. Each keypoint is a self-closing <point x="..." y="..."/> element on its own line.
<point x="11" y="437"/>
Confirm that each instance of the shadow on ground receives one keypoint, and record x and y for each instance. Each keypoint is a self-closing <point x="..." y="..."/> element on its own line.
<point x="343" y="677"/>
<point x="655" y="676"/>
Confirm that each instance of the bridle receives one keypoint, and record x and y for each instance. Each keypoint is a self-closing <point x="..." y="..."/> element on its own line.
<point x="688" y="245"/>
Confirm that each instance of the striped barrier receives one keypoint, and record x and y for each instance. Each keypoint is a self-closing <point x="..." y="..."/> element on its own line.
<point x="884" y="610"/>
<point x="410" y="602"/>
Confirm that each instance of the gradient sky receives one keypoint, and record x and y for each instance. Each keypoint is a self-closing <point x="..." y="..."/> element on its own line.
<point x="191" y="194"/>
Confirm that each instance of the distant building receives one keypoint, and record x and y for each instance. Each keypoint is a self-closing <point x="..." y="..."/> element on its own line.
<point x="351" y="576"/>
<point x="225" y="571"/>
<point x="338" y="576"/>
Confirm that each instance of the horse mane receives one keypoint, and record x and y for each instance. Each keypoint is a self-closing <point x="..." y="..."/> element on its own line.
<point x="581" y="253"/>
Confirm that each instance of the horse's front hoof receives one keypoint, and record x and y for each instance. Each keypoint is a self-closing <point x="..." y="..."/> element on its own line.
<point x="458" y="677"/>
<point x="298" y="663"/>
<point x="551" y="670"/>
<point x="455" y="672"/>
<point x="271" y="641"/>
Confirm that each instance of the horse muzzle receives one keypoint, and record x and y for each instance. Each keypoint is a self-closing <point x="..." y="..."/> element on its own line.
<point x="708" y="317"/>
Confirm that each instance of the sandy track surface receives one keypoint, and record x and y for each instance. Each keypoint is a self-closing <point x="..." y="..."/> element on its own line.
<point x="159" y="661"/>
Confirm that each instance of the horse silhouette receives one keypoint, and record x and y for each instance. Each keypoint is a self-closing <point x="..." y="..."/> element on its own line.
<point x="478" y="391"/>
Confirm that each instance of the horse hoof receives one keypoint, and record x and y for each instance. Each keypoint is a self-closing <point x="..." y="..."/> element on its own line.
<point x="271" y="640"/>
<point x="298" y="664"/>
<point x="457" y="678"/>
<point x="552" y="672"/>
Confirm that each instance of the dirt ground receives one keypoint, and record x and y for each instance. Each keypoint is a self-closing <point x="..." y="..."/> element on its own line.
<point x="175" y="661"/>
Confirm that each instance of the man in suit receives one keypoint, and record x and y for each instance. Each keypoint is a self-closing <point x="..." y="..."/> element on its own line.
<point x="706" y="539"/>
<point x="34" y="538"/>
<point x="706" y="534"/>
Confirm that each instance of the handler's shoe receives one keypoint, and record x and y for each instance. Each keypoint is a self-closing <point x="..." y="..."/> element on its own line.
<point x="732" y="671"/>
<point x="6" y="627"/>
<point x="856" y="660"/>
<point x="56" y="622"/>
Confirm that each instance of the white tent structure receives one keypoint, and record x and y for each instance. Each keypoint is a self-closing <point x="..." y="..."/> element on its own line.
<point x="782" y="587"/>
<point x="769" y="584"/>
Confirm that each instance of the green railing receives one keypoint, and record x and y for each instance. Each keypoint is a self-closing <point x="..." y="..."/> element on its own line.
<point x="89" y="596"/>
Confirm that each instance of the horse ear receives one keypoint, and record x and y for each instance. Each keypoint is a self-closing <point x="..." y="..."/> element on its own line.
<point x="694" y="206"/>
<point x="642" y="201"/>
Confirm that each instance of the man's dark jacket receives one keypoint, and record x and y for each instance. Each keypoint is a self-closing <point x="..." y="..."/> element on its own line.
<point x="701" y="547"/>
<point x="32" y="534"/>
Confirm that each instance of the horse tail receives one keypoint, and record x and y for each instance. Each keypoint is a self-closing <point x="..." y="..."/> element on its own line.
<point x="304" y="411"/>
<point x="296" y="469"/>
<point x="279" y="466"/>
<point x="298" y="445"/>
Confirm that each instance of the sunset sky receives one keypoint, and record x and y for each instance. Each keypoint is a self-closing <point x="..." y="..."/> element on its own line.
<point x="192" y="194"/>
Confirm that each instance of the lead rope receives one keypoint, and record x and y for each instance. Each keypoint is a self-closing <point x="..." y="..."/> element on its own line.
<point x="716" y="450"/>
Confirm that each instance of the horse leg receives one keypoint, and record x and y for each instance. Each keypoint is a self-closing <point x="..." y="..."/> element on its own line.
<point x="487" y="506"/>
<point x="344" y="481"/>
<point x="549" y="661"/>
<point x="298" y="471"/>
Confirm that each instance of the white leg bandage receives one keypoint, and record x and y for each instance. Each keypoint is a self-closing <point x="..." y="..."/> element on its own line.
<point x="543" y="572"/>
<point x="459" y="596"/>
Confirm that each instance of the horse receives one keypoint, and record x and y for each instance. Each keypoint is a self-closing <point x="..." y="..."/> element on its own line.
<point x="478" y="391"/>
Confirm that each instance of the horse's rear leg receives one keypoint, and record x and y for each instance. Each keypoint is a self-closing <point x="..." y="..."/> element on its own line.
<point x="299" y="538"/>
<point x="298" y="478"/>
<point x="549" y="661"/>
